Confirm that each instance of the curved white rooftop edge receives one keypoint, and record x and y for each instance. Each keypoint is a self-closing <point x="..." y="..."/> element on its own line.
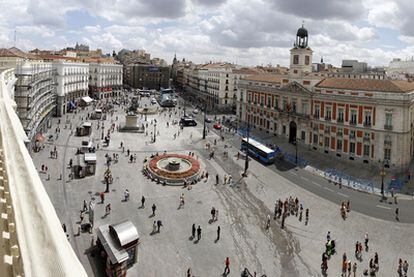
<point x="37" y="245"/>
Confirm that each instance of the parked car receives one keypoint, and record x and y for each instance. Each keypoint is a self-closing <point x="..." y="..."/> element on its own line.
<point x="217" y="126"/>
<point x="208" y="120"/>
<point x="195" y="111"/>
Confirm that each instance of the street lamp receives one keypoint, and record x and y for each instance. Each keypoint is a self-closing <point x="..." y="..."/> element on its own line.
<point x="296" y="150"/>
<point x="246" y="162"/>
<point x="382" y="174"/>
<point x="205" y="114"/>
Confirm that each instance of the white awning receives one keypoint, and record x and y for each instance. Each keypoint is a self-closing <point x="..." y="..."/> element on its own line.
<point x="90" y="157"/>
<point x="87" y="99"/>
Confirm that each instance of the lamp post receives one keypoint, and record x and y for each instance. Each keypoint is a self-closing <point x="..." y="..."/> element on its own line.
<point x="205" y="115"/>
<point x="382" y="174"/>
<point x="296" y="151"/>
<point x="246" y="162"/>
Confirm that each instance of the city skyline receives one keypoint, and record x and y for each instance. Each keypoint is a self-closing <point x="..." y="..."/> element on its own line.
<point x="253" y="33"/>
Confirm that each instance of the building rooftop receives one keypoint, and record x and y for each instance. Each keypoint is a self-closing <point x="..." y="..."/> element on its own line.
<point x="248" y="71"/>
<point x="367" y="84"/>
<point x="270" y="78"/>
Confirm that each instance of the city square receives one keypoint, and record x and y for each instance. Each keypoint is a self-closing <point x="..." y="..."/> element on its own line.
<point x="243" y="206"/>
<point x="206" y="138"/>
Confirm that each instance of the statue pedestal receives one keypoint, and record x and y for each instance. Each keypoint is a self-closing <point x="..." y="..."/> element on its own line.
<point x="131" y="124"/>
<point x="131" y="121"/>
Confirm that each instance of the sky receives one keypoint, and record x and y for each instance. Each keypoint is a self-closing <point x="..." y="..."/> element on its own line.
<point x="246" y="32"/>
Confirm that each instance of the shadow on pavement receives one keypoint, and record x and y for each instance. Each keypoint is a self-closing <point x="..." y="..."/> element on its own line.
<point x="283" y="165"/>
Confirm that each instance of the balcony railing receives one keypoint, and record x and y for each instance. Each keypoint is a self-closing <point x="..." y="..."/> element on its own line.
<point x="387" y="127"/>
<point x="340" y="120"/>
<point x="367" y="124"/>
<point x="352" y="122"/>
<point x="37" y="244"/>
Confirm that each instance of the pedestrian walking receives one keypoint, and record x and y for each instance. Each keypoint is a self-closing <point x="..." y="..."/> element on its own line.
<point x="216" y="215"/>
<point x="217" y="179"/>
<point x="189" y="274"/>
<point x="354" y="268"/>
<point x="366" y="239"/>
<point x="193" y="231"/>
<point x="159" y="224"/>
<point x="397" y="211"/>
<point x="85" y="205"/>
<point x="107" y="209"/>
<point x="218" y="233"/>
<point x="154" y="226"/>
<point x="268" y="222"/>
<point x="153" y="209"/>
<point x="213" y="213"/>
<point x="143" y="201"/>
<point x="102" y="196"/>
<point x="126" y="195"/>
<point x="227" y="268"/>
<point x="405" y="268"/>
<point x="328" y="236"/>
<point x="198" y="232"/>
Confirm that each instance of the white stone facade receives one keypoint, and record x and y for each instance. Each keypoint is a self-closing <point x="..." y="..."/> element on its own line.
<point x="35" y="95"/>
<point x="104" y="79"/>
<point x="72" y="84"/>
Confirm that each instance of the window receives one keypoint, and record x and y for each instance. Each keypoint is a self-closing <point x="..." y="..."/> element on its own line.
<point x="284" y="103"/>
<point x="303" y="136"/>
<point x="367" y="121"/>
<point x="315" y="138"/>
<point x="293" y="105"/>
<point x="339" y="132"/>
<point x="328" y="113"/>
<point x="307" y="60"/>
<point x="366" y="150"/>
<point x="387" y="154"/>
<point x="284" y="129"/>
<point x="304" y="108"/>
<point x="340" y="115"/>
<point x="353" y="119"/>
<point x="352" y="134"/>
<point x="317" y="111"/>
<point x="352" y="148"/>
<point x="388" y="121"/>
<point x="269" y="101"/>
<point x="339" y="145"/>
<point x="276" y="103"/>
<point x="327" y="141"/>
<point x="295" y="59"/>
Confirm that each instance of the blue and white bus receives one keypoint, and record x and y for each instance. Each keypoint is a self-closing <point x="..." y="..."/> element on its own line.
<point x="259" y="151"/>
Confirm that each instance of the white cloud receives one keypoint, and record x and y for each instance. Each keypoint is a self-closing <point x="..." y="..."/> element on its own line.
<point x="248" y="32"/>
<point x="93" y="29"/>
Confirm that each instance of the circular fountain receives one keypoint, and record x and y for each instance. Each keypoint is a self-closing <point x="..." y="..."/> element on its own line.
<point x="173" y="169"/>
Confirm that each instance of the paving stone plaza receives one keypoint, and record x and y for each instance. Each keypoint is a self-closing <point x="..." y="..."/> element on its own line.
<point x="243" y="207"/>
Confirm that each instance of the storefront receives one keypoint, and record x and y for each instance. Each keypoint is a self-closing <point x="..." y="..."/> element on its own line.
<point x="118" y="245"/>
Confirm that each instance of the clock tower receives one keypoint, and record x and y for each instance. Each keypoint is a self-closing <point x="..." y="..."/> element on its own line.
<point x="300" y="55"/>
